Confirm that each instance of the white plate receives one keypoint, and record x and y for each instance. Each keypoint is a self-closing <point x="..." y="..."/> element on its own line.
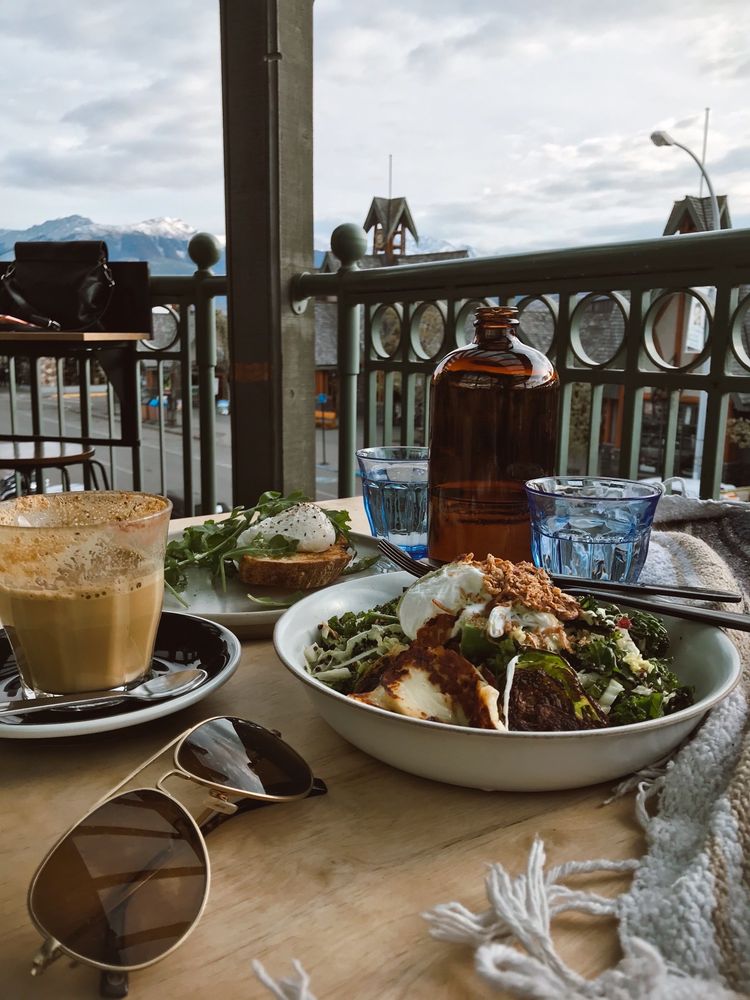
<point x="478" y="758"/>
<point x="181" y="641"/>
<point x="232" y="607"/>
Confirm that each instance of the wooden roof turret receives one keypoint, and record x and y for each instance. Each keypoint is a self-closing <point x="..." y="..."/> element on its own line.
<point x="693" y="215"/>
<point x="391" y="218"/>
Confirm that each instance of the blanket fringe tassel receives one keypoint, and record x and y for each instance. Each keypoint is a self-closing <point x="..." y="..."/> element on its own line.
<point x="520" y="913"/>
<point x="297" y="988"/>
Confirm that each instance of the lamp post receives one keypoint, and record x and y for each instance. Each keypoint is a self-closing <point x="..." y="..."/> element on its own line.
<point x="665" y="139"/>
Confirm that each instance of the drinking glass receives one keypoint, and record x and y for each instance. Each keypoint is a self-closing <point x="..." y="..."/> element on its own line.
<point x="394" y="488"/>
<point x="82" y="587"/>
<point x="591" y="526"/>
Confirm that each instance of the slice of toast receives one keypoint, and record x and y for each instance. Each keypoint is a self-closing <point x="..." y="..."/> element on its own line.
<point x="301" y="571"/>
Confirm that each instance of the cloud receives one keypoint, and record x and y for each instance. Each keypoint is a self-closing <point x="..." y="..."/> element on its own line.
<point x="112" y="98"/>
<point x="548" y="107"/>
<point x="735" y="159"/>
<point x="511" y="125"/>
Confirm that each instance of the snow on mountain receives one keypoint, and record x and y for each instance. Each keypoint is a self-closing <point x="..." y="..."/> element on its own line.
<point x="175" y="229"/>
<point x="427" y="244"/>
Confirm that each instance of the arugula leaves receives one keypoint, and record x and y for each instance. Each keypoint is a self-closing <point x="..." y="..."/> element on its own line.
<point x="212" y="545"/>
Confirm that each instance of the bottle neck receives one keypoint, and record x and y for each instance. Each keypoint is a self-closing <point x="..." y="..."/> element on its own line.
<point x="495" y="336"/>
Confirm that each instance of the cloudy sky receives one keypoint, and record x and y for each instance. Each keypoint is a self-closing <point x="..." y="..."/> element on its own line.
<point x="513" y="125"/>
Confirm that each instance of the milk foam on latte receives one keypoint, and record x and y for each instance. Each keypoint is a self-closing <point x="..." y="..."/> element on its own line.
<point x="81" y="587"/>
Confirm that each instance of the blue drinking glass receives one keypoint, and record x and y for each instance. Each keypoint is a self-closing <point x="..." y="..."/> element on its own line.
<point x="394" y="489"/>
<point x="591" y="526"/>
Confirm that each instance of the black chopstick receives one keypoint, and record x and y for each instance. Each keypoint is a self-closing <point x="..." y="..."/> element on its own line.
<point x="724" y="619"/>
<point x="692" y="593"/>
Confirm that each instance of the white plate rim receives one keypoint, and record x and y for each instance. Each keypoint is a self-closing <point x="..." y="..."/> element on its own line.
<point x="401" y="579"/>
<point x="158" y="710"/>
<point x="260" y="616"/>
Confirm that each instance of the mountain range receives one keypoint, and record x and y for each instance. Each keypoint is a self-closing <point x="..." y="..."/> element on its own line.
<point x="161" y="242"/>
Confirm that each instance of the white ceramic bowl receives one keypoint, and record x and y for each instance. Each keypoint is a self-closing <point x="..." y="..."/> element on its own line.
<point x="477" y="758"/>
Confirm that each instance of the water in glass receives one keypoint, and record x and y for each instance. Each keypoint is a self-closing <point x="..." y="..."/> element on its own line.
<point x="590" y="527"/>
<point x="398" y="511"/>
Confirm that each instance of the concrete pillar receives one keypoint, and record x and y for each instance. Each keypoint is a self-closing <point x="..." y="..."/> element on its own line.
<point x="267" y="100"/>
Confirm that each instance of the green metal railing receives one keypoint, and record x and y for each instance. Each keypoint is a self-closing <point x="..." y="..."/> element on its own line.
<point x="383" y="354"/>
<point x="639" y="283"/>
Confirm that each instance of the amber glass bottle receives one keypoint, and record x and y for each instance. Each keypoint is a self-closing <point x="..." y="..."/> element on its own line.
<point x="493" y="426"/>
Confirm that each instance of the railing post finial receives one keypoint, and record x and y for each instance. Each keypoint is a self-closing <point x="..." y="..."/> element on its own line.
<point x="204" y="250"/>
<point x="349" y="243"/>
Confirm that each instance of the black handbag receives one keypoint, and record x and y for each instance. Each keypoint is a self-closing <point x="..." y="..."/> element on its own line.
<point x="57" y="286"/>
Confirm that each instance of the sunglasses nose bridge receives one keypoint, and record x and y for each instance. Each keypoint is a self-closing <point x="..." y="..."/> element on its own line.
<point x="175" y="772"/>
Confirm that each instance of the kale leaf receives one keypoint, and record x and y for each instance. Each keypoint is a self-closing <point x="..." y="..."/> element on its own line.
<point x="648" y="633"/>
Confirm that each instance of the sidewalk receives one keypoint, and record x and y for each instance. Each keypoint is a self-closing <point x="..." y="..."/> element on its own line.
<point x="326" y="463"/>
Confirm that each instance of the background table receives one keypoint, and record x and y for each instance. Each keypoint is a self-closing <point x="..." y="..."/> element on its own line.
<point x="337" y="882"/>
<point x="116" y="352"/>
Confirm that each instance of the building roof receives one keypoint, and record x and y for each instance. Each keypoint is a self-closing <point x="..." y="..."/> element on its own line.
<point x="422" y="258"/>
<point x="389" y="213"/>
<point x="693" y="215"/>
<point x="330" y="263"/>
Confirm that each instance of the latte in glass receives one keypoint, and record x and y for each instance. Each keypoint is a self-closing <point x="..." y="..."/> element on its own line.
<point x="81" y="587"/>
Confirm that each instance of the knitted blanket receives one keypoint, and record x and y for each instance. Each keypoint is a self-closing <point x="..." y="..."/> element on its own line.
<point x="684" y="924"/>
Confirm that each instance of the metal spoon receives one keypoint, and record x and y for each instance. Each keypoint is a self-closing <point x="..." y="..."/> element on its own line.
<point x="154" y="689"/>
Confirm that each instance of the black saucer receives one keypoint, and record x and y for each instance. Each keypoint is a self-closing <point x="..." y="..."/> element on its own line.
<point x="181" y="641"/>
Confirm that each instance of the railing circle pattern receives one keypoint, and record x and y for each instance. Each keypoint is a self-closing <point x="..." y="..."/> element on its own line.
<point x="427" y="330"/>
<point x="668" y="311"/>
<point x="385" y="330"/>
<point x="538" y="322"/>
<point x="597" y="328"/>
<point x="740" y="332"/>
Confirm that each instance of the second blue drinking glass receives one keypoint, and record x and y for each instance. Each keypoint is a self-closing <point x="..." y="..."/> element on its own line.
<point x="591" y="526"/>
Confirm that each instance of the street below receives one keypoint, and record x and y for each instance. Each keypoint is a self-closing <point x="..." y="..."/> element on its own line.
<point x="162" y="467"/>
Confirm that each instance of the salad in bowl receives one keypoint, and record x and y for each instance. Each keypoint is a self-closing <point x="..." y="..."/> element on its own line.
<point x="484" y="674"/>
<point x="495" y="645"/>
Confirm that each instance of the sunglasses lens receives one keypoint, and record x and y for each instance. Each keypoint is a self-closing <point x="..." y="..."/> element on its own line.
<point x="239" y="755"/>
<point x="127" y="884"/>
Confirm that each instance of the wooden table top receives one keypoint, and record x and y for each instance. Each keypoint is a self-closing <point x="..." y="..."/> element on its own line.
<point x="32" y="454"/>
<point x="91" y="337"/>
<point x="337" y="882"/>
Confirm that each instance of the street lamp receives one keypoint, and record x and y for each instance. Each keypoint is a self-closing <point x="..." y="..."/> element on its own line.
<point x="665" y="139"/>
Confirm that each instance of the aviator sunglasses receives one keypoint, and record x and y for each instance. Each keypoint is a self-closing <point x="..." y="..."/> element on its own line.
<point x="128" y="883"/>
